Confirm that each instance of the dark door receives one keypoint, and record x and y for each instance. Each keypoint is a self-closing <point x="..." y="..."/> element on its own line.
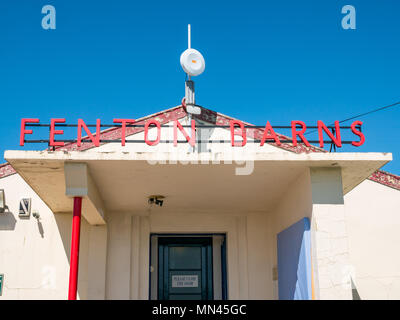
<point x="185" y="268"/>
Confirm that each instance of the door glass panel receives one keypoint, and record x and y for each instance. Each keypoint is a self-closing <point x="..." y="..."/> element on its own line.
<point x="185" y="257"/>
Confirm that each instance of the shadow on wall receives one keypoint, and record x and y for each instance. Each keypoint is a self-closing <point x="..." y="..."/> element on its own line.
<point x="7" y="221"/>
<point x="354" y="291"/>
<point x="64" y="224"/>
<point x="64" y="228"/>
<point x="39" y="224"/>
<point x="40" y="228"/>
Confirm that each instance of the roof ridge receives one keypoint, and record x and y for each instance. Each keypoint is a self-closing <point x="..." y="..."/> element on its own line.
<point x="389" y="173"/>
<point x="386" y="178"/>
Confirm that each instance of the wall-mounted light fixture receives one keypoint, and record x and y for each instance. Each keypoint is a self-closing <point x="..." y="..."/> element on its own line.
<point x="2" y="201"/>
<point x="36" y="214"/>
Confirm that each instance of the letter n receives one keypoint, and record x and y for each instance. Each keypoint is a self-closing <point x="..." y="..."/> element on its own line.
<point x="95" y="140"/>
<point x="336" y="140"/>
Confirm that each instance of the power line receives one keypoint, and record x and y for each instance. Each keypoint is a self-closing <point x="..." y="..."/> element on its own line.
<point x="376" y="110"/>
<point x="362" y="114"/>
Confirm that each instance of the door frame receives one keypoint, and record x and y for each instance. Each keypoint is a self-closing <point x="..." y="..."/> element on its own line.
<point x="217" y="266"/>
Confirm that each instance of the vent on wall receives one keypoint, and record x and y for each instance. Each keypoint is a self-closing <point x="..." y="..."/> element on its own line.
<point x="25" y="207"/>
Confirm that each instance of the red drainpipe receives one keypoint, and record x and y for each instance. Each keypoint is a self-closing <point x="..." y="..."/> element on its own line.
<point x="74" y="258"/>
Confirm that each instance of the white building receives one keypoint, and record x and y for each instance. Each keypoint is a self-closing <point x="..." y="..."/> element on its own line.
<point x="256" y="222"/>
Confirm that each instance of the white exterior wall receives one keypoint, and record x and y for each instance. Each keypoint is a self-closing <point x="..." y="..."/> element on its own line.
<point x="373" y="223"/>
<point x="330" y="250"/>
<point x="34" y="255"/>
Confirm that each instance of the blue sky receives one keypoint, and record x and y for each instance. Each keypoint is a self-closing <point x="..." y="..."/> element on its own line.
<point x="265" y="60"/>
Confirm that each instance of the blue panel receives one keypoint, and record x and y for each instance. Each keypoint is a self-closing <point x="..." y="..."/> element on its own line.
<point x="294" y="262"/>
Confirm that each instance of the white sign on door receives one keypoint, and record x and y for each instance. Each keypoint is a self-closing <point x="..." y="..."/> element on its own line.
<point x="185" y="281"/>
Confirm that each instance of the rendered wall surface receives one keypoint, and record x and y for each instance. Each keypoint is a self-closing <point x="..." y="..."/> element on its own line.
<point x="128" y="251"/>
<point x="330" y="251"/>
<point x="373" y="223"/>
<point x="34" y="254"/>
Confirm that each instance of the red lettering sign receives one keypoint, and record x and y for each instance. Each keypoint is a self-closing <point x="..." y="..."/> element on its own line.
<point x="95" y="140"/>
<point x="24" y="131"/>
<point x="146" y="132"/>
<point x="336" y="140"/>
<point x="237" y="129"/>
<point x="296" y="133"/>
<point x="53" y="131"/>
<point x="191" y="140"/>
<point x="123" y="128"/>
<point x="241" y="133"/>
<point x="358" y="133"/>
<point x="269" y="133"/>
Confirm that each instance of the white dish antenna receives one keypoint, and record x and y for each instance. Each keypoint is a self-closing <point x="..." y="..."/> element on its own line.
<point x="192" y="60"/>
<point x="193" y="64"/>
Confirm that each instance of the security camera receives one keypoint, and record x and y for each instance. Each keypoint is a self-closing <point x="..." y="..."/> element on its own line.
<point x="156" y="200"/>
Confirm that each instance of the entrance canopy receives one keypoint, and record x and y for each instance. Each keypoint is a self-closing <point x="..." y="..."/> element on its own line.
<point x="217" y="182"/>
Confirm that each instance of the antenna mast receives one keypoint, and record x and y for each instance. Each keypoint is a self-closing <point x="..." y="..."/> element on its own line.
<point x="189" y="92"/>
<point x="193" y="64"/>
<point x="189" y="35"/>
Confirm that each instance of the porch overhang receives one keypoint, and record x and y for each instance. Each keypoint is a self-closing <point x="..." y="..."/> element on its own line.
<point x="202" y="182"/>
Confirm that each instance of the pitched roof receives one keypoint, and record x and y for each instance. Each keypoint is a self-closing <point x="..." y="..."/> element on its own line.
<point x="6" y="170"/>
<point x="212" y="117"/>
<point x="388" y="179"/>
